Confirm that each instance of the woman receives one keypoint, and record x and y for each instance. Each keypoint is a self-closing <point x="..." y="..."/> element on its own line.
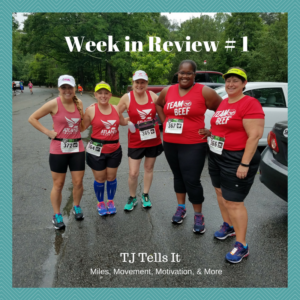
<point x="181" y="108"/>
<point x="236" y="128"/>
<point x="104" y="152"/>
<point x="30" y="85"/>
<point x="143" y="137"/>
<point x="66" y="147"/>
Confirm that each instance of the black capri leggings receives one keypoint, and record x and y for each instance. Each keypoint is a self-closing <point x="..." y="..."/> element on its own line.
<point x="186" y="162"/>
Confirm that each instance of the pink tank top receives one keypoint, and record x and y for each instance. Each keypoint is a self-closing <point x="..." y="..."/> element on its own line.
<point x="67" y="126"/>
<point x="139" y="114"/>
<point x="106" y="127"/>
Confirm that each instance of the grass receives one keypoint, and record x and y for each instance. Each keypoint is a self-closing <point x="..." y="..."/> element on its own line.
<point x="114" y="100"/>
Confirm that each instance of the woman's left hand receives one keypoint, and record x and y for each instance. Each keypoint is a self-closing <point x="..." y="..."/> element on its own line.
<point x="242" y="172"/>
<point x="205" y="132"/>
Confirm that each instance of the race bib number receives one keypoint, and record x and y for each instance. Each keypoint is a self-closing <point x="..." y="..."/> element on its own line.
<point x="215" y="144"/>
<point x="174" y="126"/>
<point x="147" y="134"/>
<point x="94" y="148"/>
<point x="147" y="130"/>
<point x="69" y="146"/>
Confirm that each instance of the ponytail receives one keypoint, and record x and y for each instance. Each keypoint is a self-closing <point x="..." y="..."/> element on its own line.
<point x="75" y="100"/>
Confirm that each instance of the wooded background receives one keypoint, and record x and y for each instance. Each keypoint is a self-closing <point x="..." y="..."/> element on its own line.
<point x="41" y="54"/>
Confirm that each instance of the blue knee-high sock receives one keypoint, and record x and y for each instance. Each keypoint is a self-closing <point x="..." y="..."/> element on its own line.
<point x="111" y="189"/>
<point x="99" y="190"/>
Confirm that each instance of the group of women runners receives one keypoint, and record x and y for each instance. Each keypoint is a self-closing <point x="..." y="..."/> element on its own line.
<point x="236" y="128"/>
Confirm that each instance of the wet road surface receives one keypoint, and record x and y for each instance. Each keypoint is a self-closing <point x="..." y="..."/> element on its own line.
<point x="89" y="253"/>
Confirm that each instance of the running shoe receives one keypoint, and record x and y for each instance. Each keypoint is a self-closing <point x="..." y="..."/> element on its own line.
<point x="131" y="203"/>
<point x="199" y="225"/>
<point x="58" y="222"/>
<point x="146" y="201"/>
<point x="111" y="207"/>
<point x="78" y="213"/>
<point x="224" y="232"/>
<point x="237" y="253"/>
<point x="102" y="210"/>
<point x="179" y="215"/>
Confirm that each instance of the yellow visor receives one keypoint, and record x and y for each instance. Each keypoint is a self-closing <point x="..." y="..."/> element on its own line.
<point x="237" y="72"/>
<point x="102" y="86"/>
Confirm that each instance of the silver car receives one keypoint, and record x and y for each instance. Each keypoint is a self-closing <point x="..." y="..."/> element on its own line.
<point x="273" y="96"/>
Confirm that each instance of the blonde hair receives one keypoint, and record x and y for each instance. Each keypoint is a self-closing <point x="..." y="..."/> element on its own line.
<point x="76" y="101"/>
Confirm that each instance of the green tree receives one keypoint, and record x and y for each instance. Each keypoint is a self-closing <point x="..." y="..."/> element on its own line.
<point x="157" y="65"/>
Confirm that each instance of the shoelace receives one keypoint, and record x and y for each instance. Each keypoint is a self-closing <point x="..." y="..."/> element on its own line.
<point x="179" y="211"/>
<point x="77" y="209"/>
<point x="102" y="205"/>
<point x="223" y="228"/>
<point x="130" y="200"/>
<point x="110" y="204"/>
<point x="198" y="220"/>
<point x="59" y="218"/>
<point x="146" y="198"/>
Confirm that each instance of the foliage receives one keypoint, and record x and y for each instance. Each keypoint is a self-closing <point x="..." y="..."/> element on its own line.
<point x="157" y="65"/>
<point x="41" y="54"/>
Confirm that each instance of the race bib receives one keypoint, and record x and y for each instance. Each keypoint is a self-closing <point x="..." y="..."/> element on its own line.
<point x="215" y="144"/>
<point x="147" y="130"/>
<point x="94" y="148"/>
<point x="174" y="126"/>
<point x="69" y="146"/>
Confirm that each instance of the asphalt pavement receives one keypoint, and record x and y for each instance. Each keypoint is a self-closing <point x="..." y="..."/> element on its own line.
<point x="141" y="248"/>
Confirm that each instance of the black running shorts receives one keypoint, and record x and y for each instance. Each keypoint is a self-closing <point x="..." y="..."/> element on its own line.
<point x="222" y="170"/>
<point x="138" y="153"/>
<point x="105" y="160"/>
<point x="59" y="162"/>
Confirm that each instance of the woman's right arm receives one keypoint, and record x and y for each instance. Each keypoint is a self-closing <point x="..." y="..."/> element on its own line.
<point x="160" y="103"/>
<point x="48" y="108"/>
<point x="87" y="118"/>
<point x="123" y="104"/>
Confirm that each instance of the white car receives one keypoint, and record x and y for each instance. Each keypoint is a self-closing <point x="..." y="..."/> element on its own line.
<point x="273" y="96"/>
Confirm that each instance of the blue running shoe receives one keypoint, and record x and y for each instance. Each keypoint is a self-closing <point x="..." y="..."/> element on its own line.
<point x="179" y="215"/>
<point x="111" y="207"/>
<point x="102" y="210"/>
<point x="58" y="222"/>
<point x="224" y="232"/>
<point x="199" y="225"/>
<point x="78" y="213"/>
<point x="237" y="253"/>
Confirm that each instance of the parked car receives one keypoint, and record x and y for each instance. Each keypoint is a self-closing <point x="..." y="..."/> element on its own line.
<point x="212" y="79"/>
<point x="274" y="161"/>
<point x="17" y="84"/>
<point x="273" y="96"/>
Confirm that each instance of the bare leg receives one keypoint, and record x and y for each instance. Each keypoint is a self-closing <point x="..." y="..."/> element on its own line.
<point x="148" y="175"/>
<point x="55" y="195"/>
<point x="77" y="177"/>
<point x="239" y="217"/>
<point x="223" y="207"/>
<point x="134" y="168"/>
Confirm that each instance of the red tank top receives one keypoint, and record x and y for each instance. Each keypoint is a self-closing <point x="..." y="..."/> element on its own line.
<point x="67" y="126"/>
<point x="106" y="127"/>
<point x="191" y="108"/>
<point x="139" y="114"/>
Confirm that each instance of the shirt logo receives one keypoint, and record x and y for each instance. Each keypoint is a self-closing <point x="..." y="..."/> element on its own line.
<point x="223" y="116"/>
<point x="72" y="122"/>
<point x="187" y="103"/>
<point x="73" y="126"/>
<point x="109" y="123"/>
<point x="144" y="113"/>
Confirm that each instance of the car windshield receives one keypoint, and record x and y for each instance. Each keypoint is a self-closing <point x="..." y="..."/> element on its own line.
<point x="221" y="91"/>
